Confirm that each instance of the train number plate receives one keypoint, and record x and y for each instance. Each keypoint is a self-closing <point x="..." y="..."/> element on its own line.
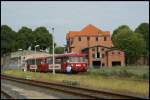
<point x="33" y="66"/>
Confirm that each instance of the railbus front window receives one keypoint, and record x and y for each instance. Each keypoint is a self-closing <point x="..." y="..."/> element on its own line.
<point x="77" y="59"/>
<point x="58" y="61"/>
<point x="49" y="60"/>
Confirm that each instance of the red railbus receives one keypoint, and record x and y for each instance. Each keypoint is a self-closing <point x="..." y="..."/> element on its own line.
<point x="77" y="62"/>
<point x="37" y="64"/>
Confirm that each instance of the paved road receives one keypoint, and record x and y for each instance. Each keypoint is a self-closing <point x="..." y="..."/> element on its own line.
<point x="23" y="91"/>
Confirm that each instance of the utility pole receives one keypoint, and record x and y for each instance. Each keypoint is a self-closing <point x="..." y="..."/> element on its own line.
<point x="18" y="58"/>
<point x="53" y="51"/>
<point x="35" y="56"/>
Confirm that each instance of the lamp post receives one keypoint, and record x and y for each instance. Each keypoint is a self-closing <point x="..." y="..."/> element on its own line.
<point x="35" y="54"/>
<point x="18" y="57"/>
<point x="53" y="51"/>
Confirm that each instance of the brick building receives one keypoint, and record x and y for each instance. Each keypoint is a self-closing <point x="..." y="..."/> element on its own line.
<point x="97" y="45"/>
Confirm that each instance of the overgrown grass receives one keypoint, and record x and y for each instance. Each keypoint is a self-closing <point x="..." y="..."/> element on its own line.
<point x="93" y="79"/>
<point x="133" y="72"/>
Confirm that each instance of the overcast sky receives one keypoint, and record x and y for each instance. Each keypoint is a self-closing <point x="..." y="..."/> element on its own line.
<point x="67" y="16"/>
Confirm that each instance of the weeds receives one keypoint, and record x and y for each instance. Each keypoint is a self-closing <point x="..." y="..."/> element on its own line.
<point x="127" y="72"/>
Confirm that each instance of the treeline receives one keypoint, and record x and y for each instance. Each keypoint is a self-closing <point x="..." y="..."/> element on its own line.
<point x="26" y="38"/>
<point x="135" y="43"/>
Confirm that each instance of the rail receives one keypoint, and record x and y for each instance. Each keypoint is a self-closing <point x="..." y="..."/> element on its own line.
<point x="75" y="90"/>
<point x="6" y="95"/>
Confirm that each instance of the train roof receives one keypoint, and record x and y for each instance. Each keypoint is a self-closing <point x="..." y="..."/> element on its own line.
<point x="61" y="55"/>
<point x="37" y="58"/>
<point x="71" y="55"/>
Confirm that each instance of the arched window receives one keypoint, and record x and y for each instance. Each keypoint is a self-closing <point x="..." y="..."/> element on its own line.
<point x="79" y="38"/>
<point x="88" y="38"/>
<point x="96" y="38"/>
<point x="105" y="38"/>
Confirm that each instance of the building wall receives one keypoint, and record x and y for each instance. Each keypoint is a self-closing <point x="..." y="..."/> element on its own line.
<point x="102" y="59"/>
<point x="106" y="57"/>
<point x="76" y="46"/>
<point x="79" y="45"/>
<point x="115" y="56"/>
<point x="96" y="37"/>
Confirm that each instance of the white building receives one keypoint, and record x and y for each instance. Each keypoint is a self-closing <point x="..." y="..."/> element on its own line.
<point x="17" y="59"/>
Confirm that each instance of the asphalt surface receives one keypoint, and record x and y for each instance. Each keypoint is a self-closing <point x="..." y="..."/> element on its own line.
<point x="23" y="91"/>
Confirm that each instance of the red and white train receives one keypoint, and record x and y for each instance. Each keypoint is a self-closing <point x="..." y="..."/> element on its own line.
<point x="77" y="62"/>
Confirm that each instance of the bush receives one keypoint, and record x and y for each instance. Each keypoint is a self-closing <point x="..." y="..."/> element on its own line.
<point x="131" y="72"/>
<point x="145" y="76"/>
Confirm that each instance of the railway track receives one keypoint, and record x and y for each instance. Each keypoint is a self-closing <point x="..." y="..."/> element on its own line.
<point x="74" y="90"/>
<point x="6" y="95"/>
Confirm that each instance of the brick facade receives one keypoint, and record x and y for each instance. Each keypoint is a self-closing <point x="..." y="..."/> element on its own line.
<point x="90" y="38"/>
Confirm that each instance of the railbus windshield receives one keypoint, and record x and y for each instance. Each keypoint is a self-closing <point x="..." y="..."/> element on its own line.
<point x="76" y="59"/>
<point x="57" y="61"/>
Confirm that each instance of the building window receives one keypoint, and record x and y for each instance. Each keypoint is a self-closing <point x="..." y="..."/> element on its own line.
<point x="88" y="38"/>
<point x="93" y="55"/>
<point x="103" y="64"/>
<point x="79" y="38"/>
<point x="102" y="49"/>
<point x="93" y="49"/>
<point x="105" y="38"/>
<point x="96" y="38"/>
<point x="98" y="55"/>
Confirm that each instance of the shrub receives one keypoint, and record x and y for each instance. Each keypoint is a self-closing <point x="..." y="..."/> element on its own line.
<point x="145" y="76"/>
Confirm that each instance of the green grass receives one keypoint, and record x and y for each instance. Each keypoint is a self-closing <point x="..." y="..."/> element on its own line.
<point x="131" y="72"/>
<point x="93" y="79"/>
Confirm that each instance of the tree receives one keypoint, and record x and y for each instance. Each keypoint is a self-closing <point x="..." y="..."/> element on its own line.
<point x="143" y="29"/>
<point x="8" y="42"/>
<point x="133" y="44"/>
<point x="25" y="37"/>
<point x="43" y="37"/>
<point x="59" y="50"/>
<point x="121" y="29"/>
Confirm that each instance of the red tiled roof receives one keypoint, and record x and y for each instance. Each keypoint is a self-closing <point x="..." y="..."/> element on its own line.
<point x="72" y="34"/>
<point x="87" y="31"/>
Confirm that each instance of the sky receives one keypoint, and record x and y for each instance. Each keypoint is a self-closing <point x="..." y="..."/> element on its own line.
<point x="67" y="16"/>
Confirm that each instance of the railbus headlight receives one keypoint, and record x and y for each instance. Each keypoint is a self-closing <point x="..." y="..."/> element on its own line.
<point x="84" y="65"/>
<point x="72" y="65"/>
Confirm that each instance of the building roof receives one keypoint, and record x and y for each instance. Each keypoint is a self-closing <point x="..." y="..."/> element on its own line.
<point x="88" y="31"/>
<point x="113" y="49"/>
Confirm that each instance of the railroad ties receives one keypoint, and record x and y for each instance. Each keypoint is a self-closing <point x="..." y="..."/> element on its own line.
<point x="74" y="88"/>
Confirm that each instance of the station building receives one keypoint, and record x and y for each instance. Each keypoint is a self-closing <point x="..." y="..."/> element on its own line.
<point x="98" y="46"/>
<point x="18" y="58"/>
